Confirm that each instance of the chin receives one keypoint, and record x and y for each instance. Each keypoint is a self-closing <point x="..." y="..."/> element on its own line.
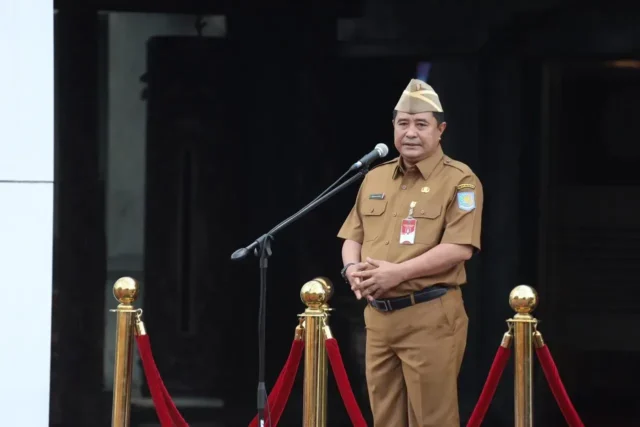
<point x="412" y="154"/>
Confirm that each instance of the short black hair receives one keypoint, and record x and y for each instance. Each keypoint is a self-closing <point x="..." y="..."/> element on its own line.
<point x="437" y="115"/>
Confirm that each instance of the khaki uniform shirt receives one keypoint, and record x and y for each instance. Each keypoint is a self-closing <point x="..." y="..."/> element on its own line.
<point x="444" y="191"/>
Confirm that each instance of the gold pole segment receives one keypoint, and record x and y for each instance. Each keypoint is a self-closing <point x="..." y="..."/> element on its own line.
<point x="125" y="290"/>
<point x="523" y="300"/>
<point x="315" y="294"/>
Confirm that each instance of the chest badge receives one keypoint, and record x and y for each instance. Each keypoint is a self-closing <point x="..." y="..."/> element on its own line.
<point x="425" y="189"/>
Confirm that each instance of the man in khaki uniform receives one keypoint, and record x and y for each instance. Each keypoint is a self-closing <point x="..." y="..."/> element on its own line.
<point x="416" y="220"/>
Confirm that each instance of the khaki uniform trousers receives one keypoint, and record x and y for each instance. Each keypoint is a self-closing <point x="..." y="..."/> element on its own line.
<point x="413" y="358"/>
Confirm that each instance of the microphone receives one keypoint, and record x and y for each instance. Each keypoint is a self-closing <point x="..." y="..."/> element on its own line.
<point x="379" y="152"/>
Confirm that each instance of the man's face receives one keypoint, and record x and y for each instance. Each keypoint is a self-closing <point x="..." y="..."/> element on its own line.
<point x="416" y="136"/>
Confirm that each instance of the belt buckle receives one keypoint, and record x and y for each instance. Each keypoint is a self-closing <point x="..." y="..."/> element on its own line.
<point x="382" y="305"/>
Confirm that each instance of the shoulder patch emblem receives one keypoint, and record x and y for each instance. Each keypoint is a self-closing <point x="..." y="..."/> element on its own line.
<point x="466" y="200"/>
<point x="463" y="186"/>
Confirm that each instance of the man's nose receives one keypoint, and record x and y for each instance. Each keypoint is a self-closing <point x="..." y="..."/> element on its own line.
<point x="411" y="132"/>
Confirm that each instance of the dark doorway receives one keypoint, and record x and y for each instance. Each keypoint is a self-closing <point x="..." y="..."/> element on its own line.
<point x="591" y="254"/>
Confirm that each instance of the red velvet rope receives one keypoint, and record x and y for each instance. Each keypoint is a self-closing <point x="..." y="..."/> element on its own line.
<point x="333" y="352"/>
<point x="557" y="388"/>
<point x="490" y="386"/>
<point x="168" y="414"/>
<point x="279" y="395"/>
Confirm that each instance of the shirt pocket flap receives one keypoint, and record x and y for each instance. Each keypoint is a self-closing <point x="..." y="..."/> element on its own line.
<point x="373" y="207"/>
<point x="427" y="211"/>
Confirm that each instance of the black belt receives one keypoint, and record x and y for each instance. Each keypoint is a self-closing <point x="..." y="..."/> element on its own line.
<point x="427" y="294"/>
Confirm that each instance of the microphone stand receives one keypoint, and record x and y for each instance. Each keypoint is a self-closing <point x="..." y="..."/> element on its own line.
<point x="261" y="248"/>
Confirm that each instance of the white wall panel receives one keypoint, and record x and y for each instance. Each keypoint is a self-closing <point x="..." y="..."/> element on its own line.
<point x="26" y="210"/>
<point x="26" y="90"/>
<point x="26" y="250"/>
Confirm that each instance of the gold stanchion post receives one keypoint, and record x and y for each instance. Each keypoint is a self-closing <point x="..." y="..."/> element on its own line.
<point x="125" y="290"/>
<point x="523" y="300"/>
<point x="315" y="294"/>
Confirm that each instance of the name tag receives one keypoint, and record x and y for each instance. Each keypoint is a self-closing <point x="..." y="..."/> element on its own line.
<point x="408" y="228"/>
<point x="376" y="196"/>
<point x="408" y="231"/>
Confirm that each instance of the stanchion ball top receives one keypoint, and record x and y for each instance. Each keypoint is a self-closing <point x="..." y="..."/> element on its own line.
<point x="125" y="290"/>
<point x="316" y="292"/>
<point x="523" y="299"/>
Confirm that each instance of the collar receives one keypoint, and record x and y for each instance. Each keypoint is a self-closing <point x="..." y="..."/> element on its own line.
<point x="425" y="166"/>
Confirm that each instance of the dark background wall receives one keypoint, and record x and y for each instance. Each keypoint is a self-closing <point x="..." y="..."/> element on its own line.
<point x="243" y="130"/>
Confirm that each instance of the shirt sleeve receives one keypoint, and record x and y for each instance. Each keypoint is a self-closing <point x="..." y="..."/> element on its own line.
<point x="352" y="227"/>
<point x="463" y="220"/>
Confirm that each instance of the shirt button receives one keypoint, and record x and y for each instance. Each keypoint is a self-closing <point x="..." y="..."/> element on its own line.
<point x="371" y="210"/>
<point x="395" y="214"/>
<point x="422" y="211"/>
<point x="386" y="243"/>
<point x="404" y="187"/>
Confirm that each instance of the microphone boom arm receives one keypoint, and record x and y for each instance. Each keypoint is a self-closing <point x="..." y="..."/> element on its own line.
<point x="243" y="252"/>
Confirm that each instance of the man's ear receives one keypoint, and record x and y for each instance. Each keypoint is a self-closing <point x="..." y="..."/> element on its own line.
<point x="442" y="126"/>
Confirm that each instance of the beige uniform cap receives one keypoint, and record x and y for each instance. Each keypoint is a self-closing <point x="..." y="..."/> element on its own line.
<point x="419" y="97"/>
